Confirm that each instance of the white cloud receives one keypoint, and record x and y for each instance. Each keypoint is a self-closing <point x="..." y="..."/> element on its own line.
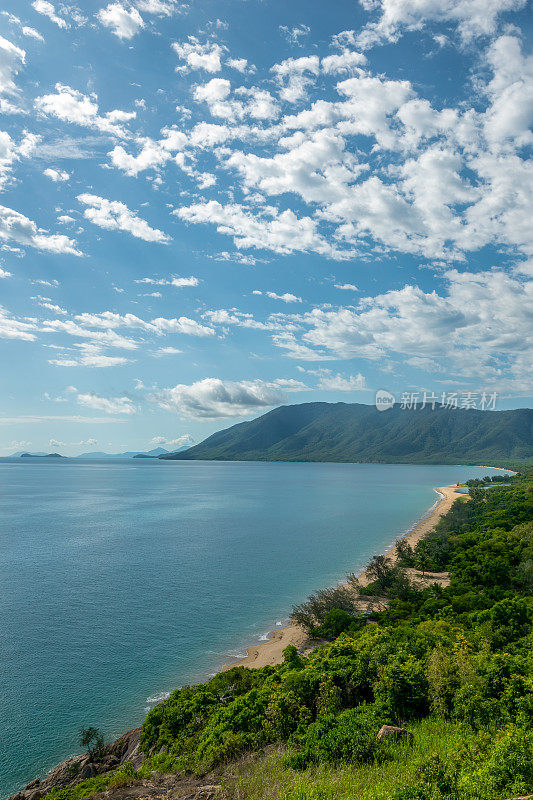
<point x="347" y="287"/>
<point x="111" y="405"/>
<point x="32" y="33"/>
<point x="182" y="325"/>
<point x="18" y="228"/>
<point x="56" y="175"/>
<point x="480" y="326"/>
<point x="196" y="55"/>
<point x="12" y="328"/>
<point x="152" y="154"/>
<point x="341" y="383"/>
<point x="174" y="281"/>
<point x="5" y="274"/>
<point x="11" y="153"/>
<point x="472" y="17"/>
<point x="185" y="440"/>
<point x="123" y="22"/>
<point x="69" y="105"/>
<point x="510" y="115"/>
<point x="168" y="351"/>
<point x="116" y="216"/>
<point x="345" y="63"/>
<point x="162" y="8"/>
<point x="240" y="64"/>
<point x="295" y="75"/>
<point x="294" y="34"/>
<point x="287" y="297"/>
<point x="48" y="10"/>
<point x="213" y="398"/>
<point x="282" y="232"/>
<point x="12" y="58"/>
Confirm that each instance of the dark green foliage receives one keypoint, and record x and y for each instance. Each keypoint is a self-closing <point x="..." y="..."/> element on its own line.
<point x="355" y="432"/>
<point x="92" y="740"/>
<point x="313" y="612"/>
<point x="462" y="652"/>
<point x="349" y="737"/>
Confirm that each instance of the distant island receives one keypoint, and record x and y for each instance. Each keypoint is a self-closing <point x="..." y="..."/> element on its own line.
<point x="41" y="455"/>
<point x="353" y="432"/>
<point x="156" y="452"/>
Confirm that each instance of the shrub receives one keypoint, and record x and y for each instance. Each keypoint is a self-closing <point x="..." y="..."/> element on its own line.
<point x="348" y="737"/>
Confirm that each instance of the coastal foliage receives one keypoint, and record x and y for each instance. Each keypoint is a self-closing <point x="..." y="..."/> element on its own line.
<point x="452" y="664"/>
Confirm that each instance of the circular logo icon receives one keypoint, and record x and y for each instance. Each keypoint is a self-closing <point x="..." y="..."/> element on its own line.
<point x="384" y="400"/>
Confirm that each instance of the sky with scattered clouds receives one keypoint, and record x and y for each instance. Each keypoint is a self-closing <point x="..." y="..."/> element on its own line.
<point x="211" y="208"/>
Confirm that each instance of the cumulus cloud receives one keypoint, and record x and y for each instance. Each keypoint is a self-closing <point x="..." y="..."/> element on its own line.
<point x="69" y="105"/>
<point x="123" y="22"/>
<point x="213" y="398"/>
<point x="345" y="63"/>
<point x="111" y="405"/>
<point x="48" y="10"/>
<point x="152" y="153"/>
<point x="116" y="216"/>
<point x="471" y="17"/>
<point x="185" y="440"/>
<point x="11" y="152"/>
<point x="484" y="317"/>
<point x="16" y="227"/>
<point x="287" y="297"/>
<point x="282" y="232"/>
<point x="295" y="75"/>
<point x="194" y="54"/>
<point x="296" y="33"/>
<point x="56" y="175"/>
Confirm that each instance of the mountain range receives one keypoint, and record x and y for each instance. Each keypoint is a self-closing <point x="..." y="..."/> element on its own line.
<point x="354" y="432"/>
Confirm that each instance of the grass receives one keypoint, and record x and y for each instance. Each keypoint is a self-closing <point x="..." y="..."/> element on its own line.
<point x="267" y="778"/>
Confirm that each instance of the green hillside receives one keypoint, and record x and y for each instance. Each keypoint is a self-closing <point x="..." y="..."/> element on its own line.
<point x="360" y="433"/>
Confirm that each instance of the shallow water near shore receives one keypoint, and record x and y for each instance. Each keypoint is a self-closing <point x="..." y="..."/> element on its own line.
<point x="124" y="579"/>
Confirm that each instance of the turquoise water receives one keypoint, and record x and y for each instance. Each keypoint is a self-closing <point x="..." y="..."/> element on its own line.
<point x="123" y="579"/>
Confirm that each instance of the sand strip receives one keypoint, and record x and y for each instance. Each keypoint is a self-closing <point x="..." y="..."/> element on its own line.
<point x="271" y="651"/>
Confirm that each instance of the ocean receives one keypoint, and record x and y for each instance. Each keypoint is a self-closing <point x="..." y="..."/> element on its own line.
<point x="122" y="579"/>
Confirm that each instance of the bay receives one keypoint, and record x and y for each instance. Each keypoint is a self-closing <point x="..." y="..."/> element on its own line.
<point x="121" y="580"/>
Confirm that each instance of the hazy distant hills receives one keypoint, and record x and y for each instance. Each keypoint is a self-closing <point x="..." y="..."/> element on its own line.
<point x="361" y="433"/>
<point x="156" y="452"/>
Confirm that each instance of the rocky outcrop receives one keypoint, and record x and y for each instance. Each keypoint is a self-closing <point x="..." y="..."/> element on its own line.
<point x="125" y="750"/>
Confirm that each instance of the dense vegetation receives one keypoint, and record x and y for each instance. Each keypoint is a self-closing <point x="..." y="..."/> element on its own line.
<point x="454" y="665"/>
<point x="361" y="433"/>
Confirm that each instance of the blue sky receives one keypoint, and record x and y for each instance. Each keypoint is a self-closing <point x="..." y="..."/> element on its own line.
<point x="211" y="208"/>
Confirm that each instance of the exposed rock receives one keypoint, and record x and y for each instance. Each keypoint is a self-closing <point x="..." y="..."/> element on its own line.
<point x="73" y="770"/>
<point x="87" y="771"/>
<point x="387" y="731"/>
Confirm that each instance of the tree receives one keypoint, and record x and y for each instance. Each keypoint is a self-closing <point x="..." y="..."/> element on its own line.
<point x="382" y="571"/>
<point x="92" y="740"/>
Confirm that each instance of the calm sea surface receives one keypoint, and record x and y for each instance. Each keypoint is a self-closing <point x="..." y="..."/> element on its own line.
<point x="121" y="580"/>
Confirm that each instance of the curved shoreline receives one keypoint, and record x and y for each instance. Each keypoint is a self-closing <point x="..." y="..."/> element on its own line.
<point x="271" y="651"/>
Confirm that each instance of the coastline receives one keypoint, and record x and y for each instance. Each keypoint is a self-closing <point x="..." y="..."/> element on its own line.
<point x="271" y="651"/>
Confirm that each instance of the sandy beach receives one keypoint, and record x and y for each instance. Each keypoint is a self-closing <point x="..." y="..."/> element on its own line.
<point x="271" y="651"/>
